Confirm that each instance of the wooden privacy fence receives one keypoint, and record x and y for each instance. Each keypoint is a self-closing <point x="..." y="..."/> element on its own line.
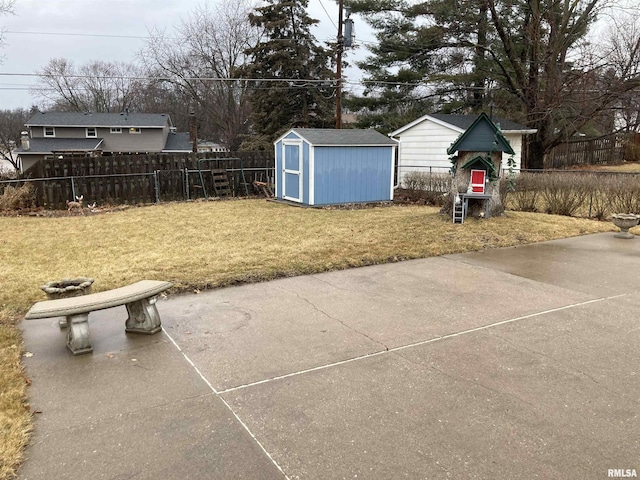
<point x="598" y="151"/>
<point x="148" y="178"/>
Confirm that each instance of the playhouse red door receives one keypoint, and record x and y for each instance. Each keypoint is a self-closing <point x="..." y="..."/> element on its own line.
<point x="477" y="181"/>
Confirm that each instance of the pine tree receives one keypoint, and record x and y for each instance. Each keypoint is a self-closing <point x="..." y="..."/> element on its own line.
<point x="293" y="84"/>
<point x="529" y="56"/>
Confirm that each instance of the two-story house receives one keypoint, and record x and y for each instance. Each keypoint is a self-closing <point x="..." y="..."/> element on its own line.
<point x="52" y="134"/>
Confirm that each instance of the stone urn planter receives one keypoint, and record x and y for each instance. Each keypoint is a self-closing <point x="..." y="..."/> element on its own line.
<point x="66" y="288"/>
<point x="625" y="221"/>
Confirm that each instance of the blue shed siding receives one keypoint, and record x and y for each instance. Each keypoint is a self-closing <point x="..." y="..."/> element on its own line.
<point x="352" y="174"/>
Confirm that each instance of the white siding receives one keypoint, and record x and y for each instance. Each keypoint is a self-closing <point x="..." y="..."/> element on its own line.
<point x="425" y="145"/>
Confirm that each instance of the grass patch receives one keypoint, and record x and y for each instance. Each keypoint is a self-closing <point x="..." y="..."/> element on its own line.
<point x="213" y="244"/>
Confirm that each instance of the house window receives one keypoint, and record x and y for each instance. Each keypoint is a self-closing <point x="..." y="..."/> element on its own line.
<point x="116" y="130"/>
<point x="49" y="131"/>
<point x="135" y="130"/>
<point x="91" y="132"/>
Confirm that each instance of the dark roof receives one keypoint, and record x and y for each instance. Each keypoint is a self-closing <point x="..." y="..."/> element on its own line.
<point x="465" y="121"/>
<point x="347" y="136"/>
<point x="78" y="119"/>
<point x="481" y="136"/>
<point x="51" y="145"/>
<point x="178" y="142"/>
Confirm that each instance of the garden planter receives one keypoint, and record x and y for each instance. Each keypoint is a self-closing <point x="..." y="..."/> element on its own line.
<point x="625" y="221"/>
<point x="66" y="288"/>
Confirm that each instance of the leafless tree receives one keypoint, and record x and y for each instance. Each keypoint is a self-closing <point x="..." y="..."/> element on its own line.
<point x="11" y="124"/>
<point x="210" y="44"/>
<point x="559" y="88"/>
<point x="622" y="49"/>
<point x="6" y="8"/>
<point x="94" y="87"/>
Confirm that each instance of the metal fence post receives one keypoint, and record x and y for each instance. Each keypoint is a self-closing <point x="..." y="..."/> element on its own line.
<point x="73" y="190"/>
<point x="186" y="183"/>
<point x="156" y="185"/>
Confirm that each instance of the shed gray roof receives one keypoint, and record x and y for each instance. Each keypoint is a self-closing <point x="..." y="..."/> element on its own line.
<point x="51" y="145"/>
<point x="178" y="142"/>
<point x="347" y="136"/>
<point x="79" y="119"/>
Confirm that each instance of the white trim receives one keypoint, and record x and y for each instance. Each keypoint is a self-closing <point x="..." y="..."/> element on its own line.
<point x="422" y="119"/>
<point x="283" y="137"/>
<point x="95" y="132"/>
<point x="393" y="170"/>
<point x="44" y="132"/>
<point x="299" y="172"/>
<point x="355" y="145"/>
<point x="312" y="175"/>
<point x="115" y="130"/>
<point x="135" y="130"/>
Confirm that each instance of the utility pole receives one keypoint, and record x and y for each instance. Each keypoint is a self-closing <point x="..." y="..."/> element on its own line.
<point x="340" y="48"/>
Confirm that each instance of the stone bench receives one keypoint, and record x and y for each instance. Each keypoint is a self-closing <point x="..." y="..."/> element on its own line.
<point x="139" y="298"/>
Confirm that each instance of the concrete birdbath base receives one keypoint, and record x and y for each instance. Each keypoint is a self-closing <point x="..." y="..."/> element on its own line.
<point x="66" y="288"/>
<point x="625" y="221"/>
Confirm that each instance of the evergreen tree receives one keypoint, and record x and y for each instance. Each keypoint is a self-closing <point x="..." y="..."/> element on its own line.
<point x="430" y="56"/>
<point x="529" y="56"/>
<point x="293" y="84"/>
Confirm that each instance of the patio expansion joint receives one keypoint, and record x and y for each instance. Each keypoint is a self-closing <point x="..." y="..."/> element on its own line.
<point x="417" y="344"/>
<point x="226" y="404"/>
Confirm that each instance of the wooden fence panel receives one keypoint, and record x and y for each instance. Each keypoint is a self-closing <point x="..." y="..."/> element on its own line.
<point x="598" y="151"/>
<point x="130" y="178"/>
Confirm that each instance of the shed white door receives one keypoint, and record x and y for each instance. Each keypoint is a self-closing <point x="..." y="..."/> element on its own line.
<point x="292" y="171"/>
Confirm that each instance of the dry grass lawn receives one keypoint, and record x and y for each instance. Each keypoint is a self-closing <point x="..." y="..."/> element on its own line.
<point x="212" y="244"/>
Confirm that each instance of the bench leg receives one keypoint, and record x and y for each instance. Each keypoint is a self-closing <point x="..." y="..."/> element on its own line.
<point x="78" y="340"/>
<point x="143" y="317"/>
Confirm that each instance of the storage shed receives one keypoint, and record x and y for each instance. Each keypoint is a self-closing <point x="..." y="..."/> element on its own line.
<point x="317" y="166"/>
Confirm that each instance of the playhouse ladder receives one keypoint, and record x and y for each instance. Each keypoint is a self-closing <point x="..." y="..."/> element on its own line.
<point x="459" y="212"/>
<point x="220" y="183"/>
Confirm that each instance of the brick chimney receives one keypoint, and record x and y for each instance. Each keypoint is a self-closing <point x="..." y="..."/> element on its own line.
<point x="24" y="140"/>
<point x="193" y="132"/>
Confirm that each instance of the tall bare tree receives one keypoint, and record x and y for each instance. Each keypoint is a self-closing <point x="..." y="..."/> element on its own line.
<point x="11" y="125"/>
<point x="210" y="44"/>
<point x="94" y="87"/>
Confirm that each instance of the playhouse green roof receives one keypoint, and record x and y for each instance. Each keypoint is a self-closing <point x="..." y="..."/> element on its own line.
<point x="482" y="136"/>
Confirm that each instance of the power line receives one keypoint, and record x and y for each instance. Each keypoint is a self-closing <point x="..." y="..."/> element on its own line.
<point x="100" y="35"/>
<point x="328" y="16"/>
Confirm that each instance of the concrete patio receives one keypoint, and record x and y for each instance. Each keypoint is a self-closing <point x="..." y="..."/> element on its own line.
<point x="515" y="363"/>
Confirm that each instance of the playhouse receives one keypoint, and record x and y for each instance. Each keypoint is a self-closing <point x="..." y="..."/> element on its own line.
<point x="317" y="166"/>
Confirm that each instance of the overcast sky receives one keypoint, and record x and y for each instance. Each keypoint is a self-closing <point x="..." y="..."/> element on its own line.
<point x="45" y="29"/>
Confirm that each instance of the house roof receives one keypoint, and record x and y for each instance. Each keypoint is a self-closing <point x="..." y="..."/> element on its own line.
<point x="79" y="119"/>
<point x="52" y="145"/>
<point x="482" y="136"/>
<point x="178" y="142"/>
<point x="460" y="123"/>
<point x="341" y="137"/>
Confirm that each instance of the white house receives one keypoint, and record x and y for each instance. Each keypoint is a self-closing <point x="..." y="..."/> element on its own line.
<point x="423" y="143"/>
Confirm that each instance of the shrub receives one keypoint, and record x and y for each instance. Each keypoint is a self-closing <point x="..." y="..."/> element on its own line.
<point x="565" y="193"/>
<point x="623" y="192"/>
<point x="526" y="197"/>
<point x="429" y="187"/>
<point x="18" y="198"/>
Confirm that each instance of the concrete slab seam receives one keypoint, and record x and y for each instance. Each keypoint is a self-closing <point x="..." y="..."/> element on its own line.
<point x="244" y="425"/>
<point x="302" y="372"/>
<point x="504" y="322"/>
<point x="417" y="344"/>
